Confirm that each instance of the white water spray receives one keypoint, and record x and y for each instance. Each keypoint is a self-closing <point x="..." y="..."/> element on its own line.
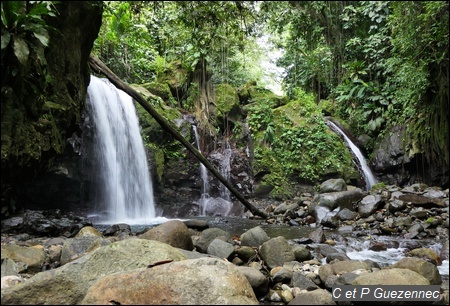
<point x="126" y="191"/>
<point x="367" y="173"/>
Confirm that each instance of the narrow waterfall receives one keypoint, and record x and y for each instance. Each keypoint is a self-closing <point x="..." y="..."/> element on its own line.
<point x="225" y="170"/>
<point x="211" y="206"/>
<point x="124" y="191"/>
<point x="369" y="177"/>
<point x="203" y="173"/>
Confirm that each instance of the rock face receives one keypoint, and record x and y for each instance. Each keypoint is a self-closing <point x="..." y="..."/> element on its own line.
<point x="181" y="186"/>
<point x="395" y="163"/>
<point x="34" y="131"/>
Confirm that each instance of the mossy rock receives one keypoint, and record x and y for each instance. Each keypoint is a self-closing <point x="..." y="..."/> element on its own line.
<point x="327" y="107"/>
<point x="161" y="90"/>
<point x="227" y="103"/>
<point x="251" y="92"/>
<point x="175" y="76"/>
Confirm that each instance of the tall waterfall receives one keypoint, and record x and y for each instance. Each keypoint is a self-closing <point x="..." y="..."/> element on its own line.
<point x="125" y="191"/>
<point x="369" y="177"/>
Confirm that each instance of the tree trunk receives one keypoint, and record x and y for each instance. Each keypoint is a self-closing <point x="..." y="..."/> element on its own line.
<point x="100" y="67"/>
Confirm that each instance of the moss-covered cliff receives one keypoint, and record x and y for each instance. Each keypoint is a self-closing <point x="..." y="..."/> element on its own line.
<point x="43" y="89"/>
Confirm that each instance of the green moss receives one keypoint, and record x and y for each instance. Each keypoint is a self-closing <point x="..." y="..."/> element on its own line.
<point x="161" y="90"/>
<point x="155" y="136"/>
<point x="378" y="186"/>
<point x="158" y="156"/>
<point x="227" y="102"/>
<point x="293" y="141"/>
<point x="327" y="107"/>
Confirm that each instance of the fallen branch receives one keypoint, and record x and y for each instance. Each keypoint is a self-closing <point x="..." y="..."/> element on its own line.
<point x="99" y="67"/>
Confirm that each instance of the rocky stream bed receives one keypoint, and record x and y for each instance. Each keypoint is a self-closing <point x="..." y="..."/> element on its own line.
<point x="339" y="236"/>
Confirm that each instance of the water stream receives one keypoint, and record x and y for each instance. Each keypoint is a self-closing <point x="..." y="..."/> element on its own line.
<point x="367" y="173"/>
<point x="221" y="205"/>
<point x="124" y="192"/>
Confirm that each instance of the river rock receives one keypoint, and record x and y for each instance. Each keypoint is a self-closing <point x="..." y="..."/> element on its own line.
<point x="220" y="248"/>
<point x="69" y="283"/>
<point x="32" y="257"/>
<point x="74" y="248"/>
<point x="203" y="281"/>
<point x="254" y="237"/>
<point x="276" y="251"/>
<point x="302" y="281"/>
<point x="315" y="297"/>
<point x="422" y="267"/>
<point x="172" y="232"/>
<point x="258" y="281"/>
<point x="202" y="242"/>
<point x="393" y="276"/>
<point x="333" y="185"/>
<point x="368" y="205"/>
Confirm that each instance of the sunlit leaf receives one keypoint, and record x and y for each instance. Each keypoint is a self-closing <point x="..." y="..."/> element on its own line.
<point x="21" y="50"/>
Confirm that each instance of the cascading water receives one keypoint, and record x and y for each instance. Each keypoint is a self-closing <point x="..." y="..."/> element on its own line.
<point x="225" y="170"/>
<point x="203" y="173"/>
<point x="366" y="172"/>
<point x="210" y="206"/>
<point x="125" y="191"/>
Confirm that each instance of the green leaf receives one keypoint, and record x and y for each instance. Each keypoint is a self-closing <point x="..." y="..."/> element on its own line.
<point x="6" y="38"/>
<point x="42" y="36"/>
<point x="39" y="9"/>
<point x="53" y="105"/>
<point x="361" y="92"/>
<point x="21" y="50"/>
<point x="10" y="12"/>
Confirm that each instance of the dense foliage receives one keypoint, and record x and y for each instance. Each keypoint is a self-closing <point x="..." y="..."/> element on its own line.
<point x="375" y="63"/>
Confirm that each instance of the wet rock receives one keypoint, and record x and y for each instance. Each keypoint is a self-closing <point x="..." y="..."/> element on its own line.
<point x="117" y="229"/>
<point x="318" y="235"/>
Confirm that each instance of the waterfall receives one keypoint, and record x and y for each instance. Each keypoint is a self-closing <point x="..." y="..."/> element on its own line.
<point x="204" y="175"/>
<point x="125" y="192"/>
<point x="225" y="170"/>
<point x="369" y="177"/>
<point x="212" y="205"/>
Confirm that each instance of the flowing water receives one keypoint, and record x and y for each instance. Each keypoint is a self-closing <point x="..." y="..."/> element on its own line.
<point x="124" y="190"/>
<point x="369" y="177"/>
<point x="221" y="205"/>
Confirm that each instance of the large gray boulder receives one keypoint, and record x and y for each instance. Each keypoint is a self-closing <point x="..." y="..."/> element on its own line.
<point x="202" y="281"/>
<point x="68" y="284"/>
